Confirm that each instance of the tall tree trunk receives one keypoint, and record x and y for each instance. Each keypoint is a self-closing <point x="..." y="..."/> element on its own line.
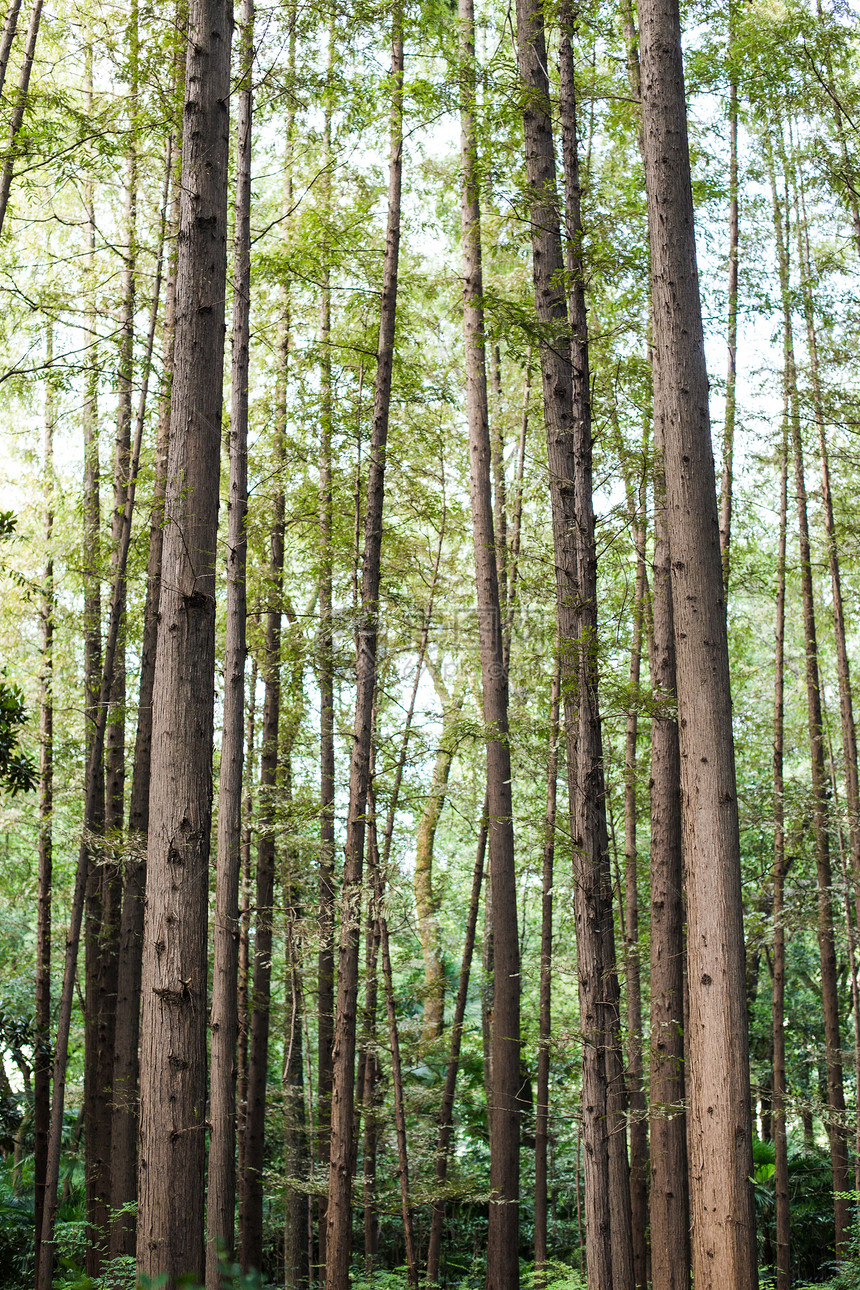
<point x="669" y="1196"/>
<point x="103" y="934"/>
<point x="668" y="1206"/>
<point x="224" y="1016"/>
<point x="92" y="658"/>
<point x="638" y="1120"/>
<point x="170" y="1238"/>
<point x="780" y="1137"/>
<point x="843" y="667"/>
<point x="503" y="1234"/>
<point x="727" y="484"/>
<point x="296" y="1157"/>
<point x="251" y="1183"/>
<point x="719" y="1127"/>
<point x="836" y="1130"/>
<point x="242" y="986"/>
<point x="446" y="1110"/>
<point x="42" y="1047"/>
<point x="558" y="378"/>
<point x="590" y="831"/>
<point x="20" y="106"/>
<point x="124" y="1123"/>
<point x="369" y="1090"/>
<point x="325" y="962"/>
<point x="545" y="1004"/>
<point x="342" y="1155"/>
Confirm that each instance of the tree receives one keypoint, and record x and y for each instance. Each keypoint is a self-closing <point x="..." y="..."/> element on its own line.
<point x="719" y="1126"/>
<point x="173" y="1026"/>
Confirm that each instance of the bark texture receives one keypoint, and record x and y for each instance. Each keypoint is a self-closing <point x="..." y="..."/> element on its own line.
<point x="780" y="1137"/>
<point x="504" y="1109"/>
<point x="545" y="1003"/>
<point x="719" y="1127"/>
<point x="669" y="1195"/>
<point x="42" y="1049"/>
<point x="224" y="1015"/>
<point x="173" y="1029"/>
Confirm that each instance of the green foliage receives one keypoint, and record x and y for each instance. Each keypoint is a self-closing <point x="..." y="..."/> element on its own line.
<point x="17" y="768"/>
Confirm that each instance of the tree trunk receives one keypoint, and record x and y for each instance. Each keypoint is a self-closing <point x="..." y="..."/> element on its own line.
<point x="727" y="483"/>
<point x="669" y="1198"/>
<point x="557" y="374"/>
<point x="244" y="930"/>
<point x="124" y="1122"/>
<point x="368" y="1087"/>
<point x="590" y="831"/>
<point x="843" y="667"/>
<point x="836" y="1130"/>
<point x="545" y="1005"/>
<point x="224" y="1016"/>
<point x="638" y="1122"/>
<point x="342" y="1156"/>
<point x="173" y="1028"/>
<point x="251" y="1183"/>
<point x="296" y="1159"/>
<point x="103" y="935"/>
<point x="42" y="1046"/>
<point x="20" y="105"/>
<point x="719" y="1132"/>
<point x="503" y="1234"/>
<point x="6" y="41"/>
<point x="325" y="963"/>
<point x="780" y="1140"/>
<point x="446" y="1110"/>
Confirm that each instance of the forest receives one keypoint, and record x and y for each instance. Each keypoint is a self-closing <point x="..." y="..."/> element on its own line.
<point x="429" y="615"/>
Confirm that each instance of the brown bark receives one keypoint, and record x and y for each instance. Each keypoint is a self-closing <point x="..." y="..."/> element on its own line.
<point x="590" y="831"/>
<point x="727" y="483"/>
<point x="639" y="1169"/>
<point x="368" y="1087"/>
<point x="562" y="427"/>
<point x="251" y="1182"/>
<point x="6" y="41"/>
<point x="245" y="929"/>
<point x="325" y="962"/>
<point x="719" y="1124"/>
<point x="836" y="1131"/>
<point x="780" y="1139"/>
<point x="669" y="1194"/>
<point x="124" y="1121"/>
<point x="545" y="1005"/>
<point x="503" y="1234"/>
<point x="105" y="908"/>
<point x="20" y="107"/>
<point x="42" y="1026"/>
<point x="92" y="676"/>
<point x="170" y="1237"/>
<point x="224" y="1014"/>
<point x="342" y="1155"/>
<point x="843" y="667"/>
<point x="446" y="1110"/>
<point x="296" y="1156"/>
